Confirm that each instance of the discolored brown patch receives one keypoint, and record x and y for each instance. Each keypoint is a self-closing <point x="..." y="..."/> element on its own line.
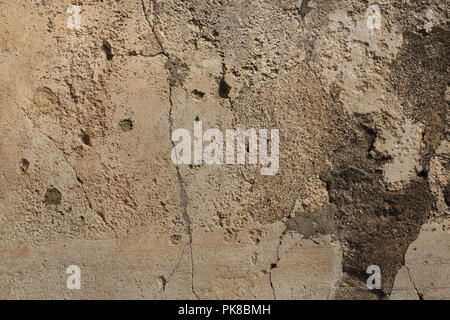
<point x="420" y="76"/>
<point x="447" y="194"/>
<point x="376" y="225"/>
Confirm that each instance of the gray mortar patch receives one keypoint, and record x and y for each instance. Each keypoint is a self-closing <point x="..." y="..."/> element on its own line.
<point x="321" y="221"/>
<point x="178" y="71"/>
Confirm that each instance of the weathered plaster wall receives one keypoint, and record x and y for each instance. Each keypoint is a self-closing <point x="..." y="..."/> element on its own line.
<point x="89" y="100"/>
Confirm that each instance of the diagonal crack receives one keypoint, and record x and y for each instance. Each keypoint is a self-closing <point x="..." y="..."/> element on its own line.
<point x="138" y="284"/>
<point x="278" y="257"/>
<point x="100" y="214"/>
<point x="152" y="25"/>
<point x="169" y="277"/>
<point x="316" y="75"/>
<point x="419" y="294"/>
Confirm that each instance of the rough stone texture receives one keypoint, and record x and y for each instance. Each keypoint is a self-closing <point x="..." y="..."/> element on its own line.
<point x="358" y="90"/>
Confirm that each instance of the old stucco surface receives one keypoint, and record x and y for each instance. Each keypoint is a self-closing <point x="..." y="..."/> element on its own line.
<point x="358" y="89"/>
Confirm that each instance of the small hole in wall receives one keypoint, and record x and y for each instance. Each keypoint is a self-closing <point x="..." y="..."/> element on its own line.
<point x="198" y="94"/>
<point x="52" y="196"/>
<point x="126" y="125"/>
<point x="24" y="165"/>
<point x="224" y="89"/>
<point x="423" y="174"/>
<point x="86" y="139"/>
<point x="163" y="282"/>
<point x="106" y="47"/>
<point x="196" y="119"/>
<point x="175" y="238"/>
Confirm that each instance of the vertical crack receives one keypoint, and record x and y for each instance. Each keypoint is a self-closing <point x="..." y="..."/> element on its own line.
<point x="183" y="195"/>
<point x="274" y="265"/>
<point x="182" y="191"/>
<point x="271" y="285"/>
<point x="304" y="9"/>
